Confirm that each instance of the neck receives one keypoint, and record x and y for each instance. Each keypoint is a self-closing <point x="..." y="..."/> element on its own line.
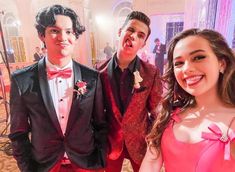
<point x="209" y="101"/>
<point x="123" y="64"/>
<point x="124" y="60"/>
<point x="60" y="62"/>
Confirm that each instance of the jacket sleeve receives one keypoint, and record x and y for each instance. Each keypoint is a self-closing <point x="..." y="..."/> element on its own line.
<point x="100" y="120"/>
<point x="19" y="129"/>
<point x="155" y="96"/>
<point x="154" y="49"/>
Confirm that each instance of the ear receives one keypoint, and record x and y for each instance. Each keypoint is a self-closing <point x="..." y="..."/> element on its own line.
<point x="119" y="32"/>
<point x="41" y="37"/>
<point x="222" y="65"/>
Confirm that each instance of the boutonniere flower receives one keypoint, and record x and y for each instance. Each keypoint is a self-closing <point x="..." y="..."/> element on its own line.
<point x="81" y="87"/>
<point x="137" y="79"/>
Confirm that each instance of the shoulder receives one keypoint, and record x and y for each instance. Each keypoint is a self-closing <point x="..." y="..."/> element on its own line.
<point x="102" y="66"/>
<point x="175" y="115"/>
<point x="227" y="117"/>
<point x="26" y="71"/>
<point x="85" y="70"/>
<point x="25" y="76"/>
<point x="232" y="125"/>
<point x="147" y="65"/>
<point x="148" y="69"/>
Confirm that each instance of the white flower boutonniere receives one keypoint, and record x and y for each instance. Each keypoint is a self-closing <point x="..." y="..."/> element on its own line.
<point x="137" y="79"/>
<point x="81" y="87"/>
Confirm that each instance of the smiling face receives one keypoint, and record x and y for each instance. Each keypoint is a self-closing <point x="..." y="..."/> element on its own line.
<point x="196" y="67"/>
<point x="59" y="39"/>
<point x="132" y="38"/>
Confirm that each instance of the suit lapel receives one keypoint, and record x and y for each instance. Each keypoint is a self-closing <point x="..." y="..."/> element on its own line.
<point x="75" y="103"/>
<point x="112" y="81"/>
<point x="138" y="96"/>
<point x="110" y="90"/>
<point x="137" y="68"/>
<point x="46" y="94"/>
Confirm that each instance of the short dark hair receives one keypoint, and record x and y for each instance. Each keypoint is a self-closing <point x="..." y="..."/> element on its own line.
<point x="138" y="15"/>
<point x="46" y="17"/>
<point x="157" y="40"/>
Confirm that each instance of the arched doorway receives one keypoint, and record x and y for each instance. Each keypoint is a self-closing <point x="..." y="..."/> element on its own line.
<point x="14" y="42"/>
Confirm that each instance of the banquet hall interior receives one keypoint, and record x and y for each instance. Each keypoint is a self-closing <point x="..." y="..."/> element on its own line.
<point x="102" y="19"/>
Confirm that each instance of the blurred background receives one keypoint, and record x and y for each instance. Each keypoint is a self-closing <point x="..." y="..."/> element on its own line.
<point x="102" y="19"/>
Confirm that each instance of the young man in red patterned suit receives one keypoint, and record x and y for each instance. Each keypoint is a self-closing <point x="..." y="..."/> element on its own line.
<point x="132" y="90"/>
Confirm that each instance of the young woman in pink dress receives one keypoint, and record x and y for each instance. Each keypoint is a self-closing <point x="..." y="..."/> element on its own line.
<point x="195" y="131"/>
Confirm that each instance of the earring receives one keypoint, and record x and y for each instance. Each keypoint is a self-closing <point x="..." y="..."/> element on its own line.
<point x="221" y="71"/>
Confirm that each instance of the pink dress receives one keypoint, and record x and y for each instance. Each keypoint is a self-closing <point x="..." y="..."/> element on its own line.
<point x="212" y="154"/>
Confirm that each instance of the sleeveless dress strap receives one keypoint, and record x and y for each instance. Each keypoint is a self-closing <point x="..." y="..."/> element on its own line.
<point x="230" y="124"/>
<point x="175" y="117"/>
<point x="217" y="135"/>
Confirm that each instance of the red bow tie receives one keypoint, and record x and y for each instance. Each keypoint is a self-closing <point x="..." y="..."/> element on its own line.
<point x="65" y="73"/>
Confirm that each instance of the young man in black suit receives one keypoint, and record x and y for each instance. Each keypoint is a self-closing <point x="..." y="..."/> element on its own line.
<point x="159" y="51"/>
<point x="59" y="102"/>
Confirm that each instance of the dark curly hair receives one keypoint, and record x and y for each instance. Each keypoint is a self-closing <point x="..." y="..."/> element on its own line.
<point x="176" y="97"/>
<point x="46" y="17"/>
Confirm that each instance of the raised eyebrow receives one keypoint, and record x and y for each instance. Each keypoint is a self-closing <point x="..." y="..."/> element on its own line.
<point x="196" y="51"/>
<point x="176" y="58"/>
<point x="130" y="28"/>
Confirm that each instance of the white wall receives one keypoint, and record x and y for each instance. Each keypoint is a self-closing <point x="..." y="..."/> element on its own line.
<point x="158" y="26"/>
<point x="231" y="25"/>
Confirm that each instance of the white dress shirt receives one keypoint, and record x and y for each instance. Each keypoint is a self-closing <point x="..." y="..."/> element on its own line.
<point x="62" y="94"/>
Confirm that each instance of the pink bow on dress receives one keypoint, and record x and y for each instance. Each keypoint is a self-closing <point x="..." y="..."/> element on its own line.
<point x="217" y="134"/>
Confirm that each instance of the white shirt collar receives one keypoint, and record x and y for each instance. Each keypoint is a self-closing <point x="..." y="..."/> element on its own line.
<point x="52" y="66"/>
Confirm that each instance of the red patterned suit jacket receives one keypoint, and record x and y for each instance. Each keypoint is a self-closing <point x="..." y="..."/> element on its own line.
<point x="133" y="126"/>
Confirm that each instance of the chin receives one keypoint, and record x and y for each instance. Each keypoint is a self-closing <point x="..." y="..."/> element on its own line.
<point x="65" y="54"/>
<point x="196" y="93"/>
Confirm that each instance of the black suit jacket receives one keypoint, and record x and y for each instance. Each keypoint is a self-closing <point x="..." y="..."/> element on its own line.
<point x="32" y="111"/>
<point x="162" y="50"/>
<point x="159" y="57"/>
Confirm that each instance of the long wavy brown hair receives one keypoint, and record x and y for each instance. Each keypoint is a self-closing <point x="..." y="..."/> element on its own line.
<point x="176" y="97"/>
